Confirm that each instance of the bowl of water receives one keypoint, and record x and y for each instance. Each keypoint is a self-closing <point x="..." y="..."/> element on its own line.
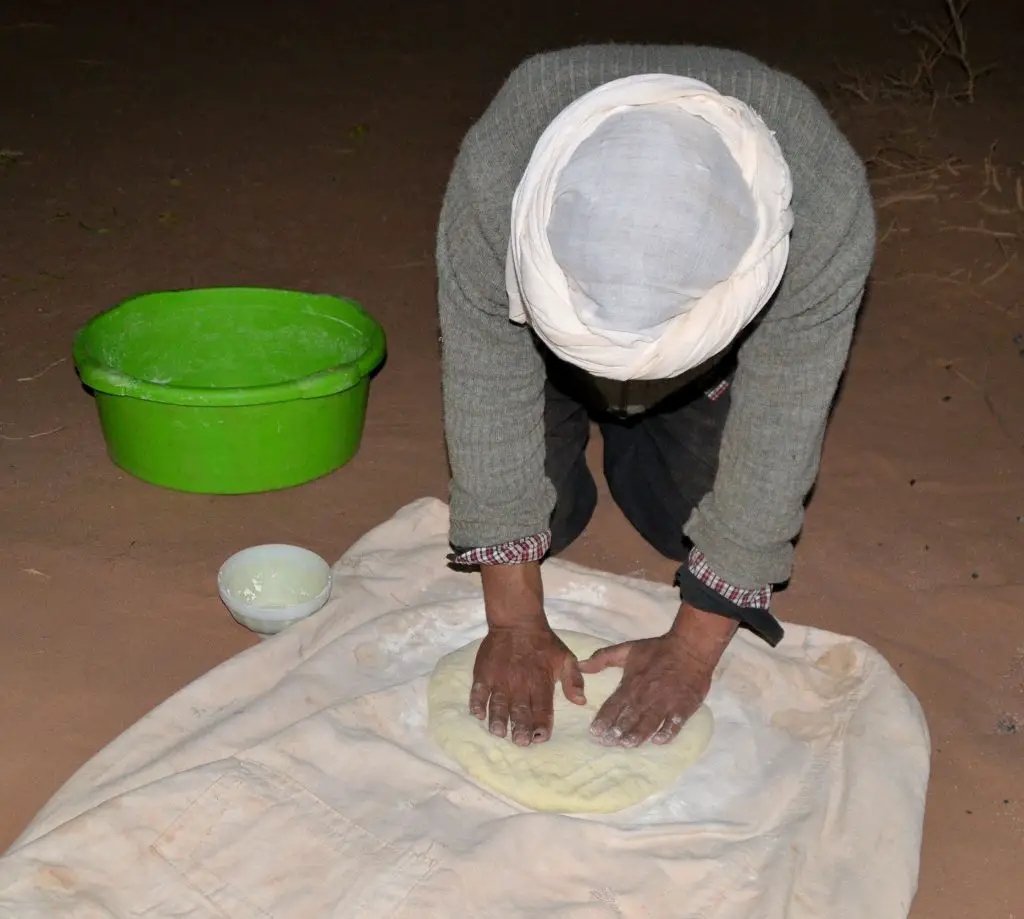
<point x="270" y="587"/>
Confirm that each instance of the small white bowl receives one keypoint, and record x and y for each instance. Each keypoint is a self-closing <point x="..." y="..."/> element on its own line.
<point x="268" y="588"/>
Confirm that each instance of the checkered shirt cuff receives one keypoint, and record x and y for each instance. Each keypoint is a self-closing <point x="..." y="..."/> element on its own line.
<point x="517" y="552"/>
<point x="716" y="392"/>
<point x="756" y="598"/>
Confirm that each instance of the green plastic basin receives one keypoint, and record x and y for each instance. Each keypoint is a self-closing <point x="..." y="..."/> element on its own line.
<point x="230" y="390"/>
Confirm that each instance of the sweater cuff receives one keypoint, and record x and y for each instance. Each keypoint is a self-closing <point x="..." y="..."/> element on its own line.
<point x="702" y="589"/>
<point x="517" y="552"/>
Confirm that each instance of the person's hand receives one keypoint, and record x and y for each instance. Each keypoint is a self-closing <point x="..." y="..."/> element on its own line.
<point x="664" y="679"/>
<point x="514" y="679"/>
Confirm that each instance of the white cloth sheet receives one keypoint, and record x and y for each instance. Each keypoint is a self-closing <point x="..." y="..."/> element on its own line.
<point x="296" y="780"/>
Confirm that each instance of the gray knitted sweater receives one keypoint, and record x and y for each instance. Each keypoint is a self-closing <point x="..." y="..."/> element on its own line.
<point x="787" y="371"/>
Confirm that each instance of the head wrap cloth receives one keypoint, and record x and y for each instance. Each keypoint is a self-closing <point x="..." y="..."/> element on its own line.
<point x="650" y="227"/>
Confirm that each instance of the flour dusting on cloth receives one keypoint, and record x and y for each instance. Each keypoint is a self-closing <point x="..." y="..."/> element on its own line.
<point x="297" y="780"/>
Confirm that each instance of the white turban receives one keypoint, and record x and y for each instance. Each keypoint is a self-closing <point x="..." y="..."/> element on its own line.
<point x="650" y="227"/>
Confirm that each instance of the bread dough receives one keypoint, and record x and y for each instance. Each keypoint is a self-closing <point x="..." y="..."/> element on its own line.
<point x="571" y="773"/>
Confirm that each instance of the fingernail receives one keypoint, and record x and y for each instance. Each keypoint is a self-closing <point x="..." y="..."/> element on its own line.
<point x="611" y="737"/>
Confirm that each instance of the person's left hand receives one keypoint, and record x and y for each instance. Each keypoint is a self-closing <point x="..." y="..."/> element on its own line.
<point x="664" y="680"/>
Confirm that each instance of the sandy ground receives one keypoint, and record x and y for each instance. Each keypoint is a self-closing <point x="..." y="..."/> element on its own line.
<point x="309" y="148"/>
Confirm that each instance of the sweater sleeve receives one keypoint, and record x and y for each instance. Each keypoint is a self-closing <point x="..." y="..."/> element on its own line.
<point x="789" y="370"/>
<point x="493" y="380"/>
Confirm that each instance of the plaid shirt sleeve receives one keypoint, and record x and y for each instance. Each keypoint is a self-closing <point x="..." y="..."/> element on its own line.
<point x="717" y="391"/>
<point x="752" y="598"/>
<point x="517" y="552"/>
<point x="534" y="548"/>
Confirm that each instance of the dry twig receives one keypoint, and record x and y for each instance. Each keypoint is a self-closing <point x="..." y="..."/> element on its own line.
<point x="894" y="227"/>
<point x="938" y="41"/>
<point x="901" y="197"/>
<point x="1000" y="271"/>
<point x="954" y="277"/>
<point x="34" y="436"/>
<point x="46" y="369"/>
<point x="980" y="229"/>
<point x="35" y="572"/>
<point x="946" y="41"/>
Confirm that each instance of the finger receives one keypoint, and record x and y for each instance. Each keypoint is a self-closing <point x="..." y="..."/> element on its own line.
<point x="522" y="724"/>
<point x="642" y="729"/>
<point x="497" y="720"/>
<point x="478" y="694"/>
<point x="572" y="681"/>
<point x="543" y="704"/>
<point x="670" y="729"/>
<point x="628" y="716"/>
<point x="603" y="725"/>
<point x="612" y="656"/>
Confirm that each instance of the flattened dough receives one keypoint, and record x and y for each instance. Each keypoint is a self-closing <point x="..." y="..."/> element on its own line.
<point x="571" y="773"/>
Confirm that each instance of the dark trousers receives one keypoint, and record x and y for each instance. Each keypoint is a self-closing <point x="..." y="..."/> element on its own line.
<point x="658" y="465"/>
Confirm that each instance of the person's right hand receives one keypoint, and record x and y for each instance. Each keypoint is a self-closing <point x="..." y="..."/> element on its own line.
<point x="514" y="680"/>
